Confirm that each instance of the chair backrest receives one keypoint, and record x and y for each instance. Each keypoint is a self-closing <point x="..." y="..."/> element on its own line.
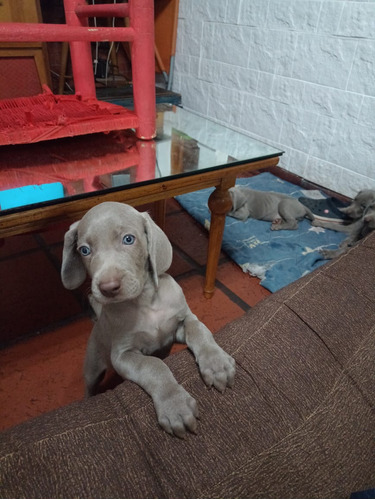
<point x="76" y="31"/>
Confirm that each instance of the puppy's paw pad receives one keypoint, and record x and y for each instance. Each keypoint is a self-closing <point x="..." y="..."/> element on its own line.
<point x="178" y="413"/>
<point x="217" y="369"/>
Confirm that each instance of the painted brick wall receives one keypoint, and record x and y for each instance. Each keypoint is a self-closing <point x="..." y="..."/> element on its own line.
<point x="297" y="74"/>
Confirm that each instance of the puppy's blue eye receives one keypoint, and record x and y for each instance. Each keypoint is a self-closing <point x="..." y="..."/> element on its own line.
<point x="128" y="239"/>
<point x="84" y="250"/>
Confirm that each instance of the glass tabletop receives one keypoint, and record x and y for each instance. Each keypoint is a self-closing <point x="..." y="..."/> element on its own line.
<point x="50" y="172"/>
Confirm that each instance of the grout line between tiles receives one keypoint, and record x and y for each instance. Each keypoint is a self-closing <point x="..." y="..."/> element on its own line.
<point x="201" y="270"/>
<point x="47" y="250"/>
<point x="21" y="253"/>
<point x="42" y="331"/>
<point x="187" y="258"/>
<point x="78" y="295"/>
<point x="232" y="296"/>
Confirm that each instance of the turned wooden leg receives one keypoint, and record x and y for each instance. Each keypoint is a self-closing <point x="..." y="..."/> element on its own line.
<point x="219" y="204"/>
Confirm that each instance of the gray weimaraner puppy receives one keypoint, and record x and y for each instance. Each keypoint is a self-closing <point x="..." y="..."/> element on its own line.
<point x="361" y="202"/>
<point x="362" y="225"/>
<point x="280" y="209"/>
<point x="140" y="310"/>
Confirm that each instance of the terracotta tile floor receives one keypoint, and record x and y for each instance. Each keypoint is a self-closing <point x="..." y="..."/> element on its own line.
<point x="44" y="328"/>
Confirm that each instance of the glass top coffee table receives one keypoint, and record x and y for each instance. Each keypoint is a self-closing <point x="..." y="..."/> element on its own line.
<point x="59" y="180"/>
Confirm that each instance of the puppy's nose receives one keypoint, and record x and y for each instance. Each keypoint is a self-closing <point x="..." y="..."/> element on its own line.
<point x="110" y="288"/>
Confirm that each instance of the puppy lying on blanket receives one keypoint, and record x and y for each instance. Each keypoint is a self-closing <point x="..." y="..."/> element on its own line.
<point x="280" y="209"/>
<point x="140" y="310"/>
<point x="360" y="203"/>
<point x="362" y="210"/>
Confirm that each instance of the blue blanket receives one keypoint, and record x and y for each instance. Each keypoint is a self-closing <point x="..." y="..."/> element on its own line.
<point x="276" y="257"/>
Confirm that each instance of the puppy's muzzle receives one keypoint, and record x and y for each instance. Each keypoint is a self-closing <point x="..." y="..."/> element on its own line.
<point x="110" y="289"/>
<point x="116" y="286"/>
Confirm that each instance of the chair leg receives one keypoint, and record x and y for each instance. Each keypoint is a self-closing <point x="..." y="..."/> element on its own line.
<point x="80" y="54"/>
<point x="141" y="13"/>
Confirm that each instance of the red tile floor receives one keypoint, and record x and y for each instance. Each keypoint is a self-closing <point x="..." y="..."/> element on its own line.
<point x="44" y="328"/>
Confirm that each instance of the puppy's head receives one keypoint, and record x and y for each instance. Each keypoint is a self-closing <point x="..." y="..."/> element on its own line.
<point x="239" y="199"/>
<point x="360" y="203"/>
<point x="119" y="248"/>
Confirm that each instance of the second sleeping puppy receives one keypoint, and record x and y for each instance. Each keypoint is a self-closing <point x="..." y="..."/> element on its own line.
<point x="140" y="310"/>
<point x="359" y="205"/>
<point x="280" y="209"/>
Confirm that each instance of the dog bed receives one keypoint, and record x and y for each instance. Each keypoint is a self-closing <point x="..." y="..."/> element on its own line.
<point x="276" y="257"/>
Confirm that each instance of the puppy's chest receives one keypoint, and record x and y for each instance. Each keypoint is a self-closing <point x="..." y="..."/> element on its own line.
<point x="148" y="329"/>
<point x="162" y="319"/>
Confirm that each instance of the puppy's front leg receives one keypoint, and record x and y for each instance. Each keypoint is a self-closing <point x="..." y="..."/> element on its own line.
<point x="176" y="410"/>
<point x="344" y="245"/>
<point x="332" y="254"/>
<point x="216" y="366"/>
<point x="335" y="226"/>
<point x="95" y="365"/>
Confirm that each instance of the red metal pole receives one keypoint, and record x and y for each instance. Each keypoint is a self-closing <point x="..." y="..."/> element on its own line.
<point x="80" y="53"/>
<point x="146" y="167"/>
<point x="143" y="66"/>
<point x="37" y="32"/>
<point x="103" y="10"/>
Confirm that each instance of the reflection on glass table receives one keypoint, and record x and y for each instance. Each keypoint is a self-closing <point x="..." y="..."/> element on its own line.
<point x="35" y="174"/>
<point x="61" y="179"/>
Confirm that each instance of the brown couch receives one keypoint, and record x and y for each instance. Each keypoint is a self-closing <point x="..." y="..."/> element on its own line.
<point x="299" y="422"/>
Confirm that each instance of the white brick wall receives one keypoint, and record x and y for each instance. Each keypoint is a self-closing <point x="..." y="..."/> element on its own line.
<point x="297" y="74"/>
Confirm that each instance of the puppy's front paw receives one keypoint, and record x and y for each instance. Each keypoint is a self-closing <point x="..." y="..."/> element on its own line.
<point x="276" y="225"/>
<point x="328" y="254"/>
<point x="217" y="368"/>
<point x="177" y="412"/>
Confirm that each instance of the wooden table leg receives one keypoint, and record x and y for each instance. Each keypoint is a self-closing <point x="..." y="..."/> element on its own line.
<point x="219" y="204"/>
<point x="159" y="213"/>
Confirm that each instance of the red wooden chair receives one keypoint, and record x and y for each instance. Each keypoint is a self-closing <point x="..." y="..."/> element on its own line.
<point x="49" y="116"/>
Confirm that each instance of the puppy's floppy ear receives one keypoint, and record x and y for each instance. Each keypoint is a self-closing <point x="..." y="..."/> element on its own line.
<point x="159" y="248"/>
<point x="73" y="272"/>
<point x="233" y="194"/>
<point x="238" y="198"/>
